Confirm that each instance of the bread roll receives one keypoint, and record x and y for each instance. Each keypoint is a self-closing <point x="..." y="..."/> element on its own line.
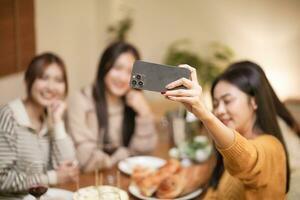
<point x="150" y="184"/>
<point x="194" y="175"/>
<point x="172" y="186"/>
<point x="187" y="180"/>
<point x="139" y="173"/>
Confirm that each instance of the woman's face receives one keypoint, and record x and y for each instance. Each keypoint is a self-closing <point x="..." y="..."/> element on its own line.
<point x="49" y="87"/>
<point x="234" y="107"/>
<point x="118" y="77"/>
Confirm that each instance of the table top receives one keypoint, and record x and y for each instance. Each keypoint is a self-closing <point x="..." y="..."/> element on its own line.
<point x="88" y="179"/>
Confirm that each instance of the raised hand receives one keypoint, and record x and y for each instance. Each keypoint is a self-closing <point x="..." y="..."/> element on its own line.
<point x="56" y="111"/>
<point x="67" y="171"/>
<point x="191" y="97"/>
<point x="137" y="101"/>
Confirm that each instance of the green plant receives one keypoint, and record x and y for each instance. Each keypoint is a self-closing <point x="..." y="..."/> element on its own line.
<point x="121" y="29"/>
<point x="207" y="68"/>
<point x="197" y="149"/>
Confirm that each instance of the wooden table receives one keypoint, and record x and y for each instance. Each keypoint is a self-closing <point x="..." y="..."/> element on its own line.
<point x="88" y="179"/>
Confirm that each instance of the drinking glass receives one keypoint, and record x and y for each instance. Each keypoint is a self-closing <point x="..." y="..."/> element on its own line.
<point x="36" y="187"/>
<point x="109" y="148"/>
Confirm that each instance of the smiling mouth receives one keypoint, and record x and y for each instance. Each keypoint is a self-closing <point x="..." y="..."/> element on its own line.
<point x="120" y="85"/>
<point x="225" y="121"/>
<point x="48" y="96"/>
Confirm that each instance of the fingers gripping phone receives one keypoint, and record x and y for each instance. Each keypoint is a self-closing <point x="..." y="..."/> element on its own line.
<point x="155" y="77"/>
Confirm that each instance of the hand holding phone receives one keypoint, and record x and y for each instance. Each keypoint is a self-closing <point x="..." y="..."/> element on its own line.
<point x="155" y="77"/>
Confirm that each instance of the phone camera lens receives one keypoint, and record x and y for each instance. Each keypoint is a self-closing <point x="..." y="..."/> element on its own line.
<point x="133" y="82"/>
<point x="141" y="83"/>
<point x="138" y="76"/>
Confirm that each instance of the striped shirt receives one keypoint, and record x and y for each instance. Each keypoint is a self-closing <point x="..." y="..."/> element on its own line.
<point x="25" y="151"/>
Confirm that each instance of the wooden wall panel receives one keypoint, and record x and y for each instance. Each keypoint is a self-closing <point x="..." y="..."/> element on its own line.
<point x="7" y="38"/>
<point x="17" y="36"/>
<point x="26" y="32"/>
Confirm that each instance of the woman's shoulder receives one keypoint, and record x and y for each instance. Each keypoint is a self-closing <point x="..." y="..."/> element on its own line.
<point x="84" y="94"/>
<point x="5" y="111"/>
<point x="267" y="138"/>
<point x="6" y="117"/>
<point x="268" y="141"/>
<point x="82" y="98"/>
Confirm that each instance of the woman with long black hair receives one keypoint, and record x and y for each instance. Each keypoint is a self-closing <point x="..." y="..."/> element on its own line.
<point x="289" y="127"/>
<point x="109" y="121"/>
<point x="252" y="161"/>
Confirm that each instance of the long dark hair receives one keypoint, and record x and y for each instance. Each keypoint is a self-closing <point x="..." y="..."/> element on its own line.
<point x="251" y="79"/>
<point x="107" y="61"/>
<point x="281" y="109"/>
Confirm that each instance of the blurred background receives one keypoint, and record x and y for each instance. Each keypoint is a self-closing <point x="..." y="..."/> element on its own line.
<point x="209" y="33"/>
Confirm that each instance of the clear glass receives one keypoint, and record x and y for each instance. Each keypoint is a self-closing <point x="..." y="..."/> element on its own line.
<point x="35" y="186"/>
<point x="178" y="130"/>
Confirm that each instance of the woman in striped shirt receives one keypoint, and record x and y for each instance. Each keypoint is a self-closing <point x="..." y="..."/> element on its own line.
<point x="32" y="130"/>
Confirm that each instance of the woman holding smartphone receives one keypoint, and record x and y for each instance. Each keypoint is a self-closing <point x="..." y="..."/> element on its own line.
<point x="252" y="162"/>
<point x="32" y="131"/>
<point x="108" y="120"/>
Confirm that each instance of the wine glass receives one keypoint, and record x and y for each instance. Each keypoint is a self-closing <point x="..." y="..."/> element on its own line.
<point x="36" y="173"/>
<point x="110" y="148"/>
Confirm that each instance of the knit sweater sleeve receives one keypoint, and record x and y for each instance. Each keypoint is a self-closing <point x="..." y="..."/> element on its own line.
<point x="89" y="155"/>
<point x="254" y="161"/>
<point x="144" y="139"/>
<point x="62" y="147"/>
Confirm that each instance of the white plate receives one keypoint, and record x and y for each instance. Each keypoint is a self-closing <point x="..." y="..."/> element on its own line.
<point x="92" y="192"/>
<point x="54" y="192"/>
<point x="135" y="192"/>
<point x="127" y="165"/>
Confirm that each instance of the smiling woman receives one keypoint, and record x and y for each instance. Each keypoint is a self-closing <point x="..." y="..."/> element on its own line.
<point x="110" y="121"/>
<point x="252" y="160"/>
<point x="32" y="130"/>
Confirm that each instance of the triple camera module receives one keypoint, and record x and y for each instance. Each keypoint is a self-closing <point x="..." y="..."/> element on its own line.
<point x="137" y="81"/>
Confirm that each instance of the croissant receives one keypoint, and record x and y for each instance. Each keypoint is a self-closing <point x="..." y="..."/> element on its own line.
<point x="139" y="173"/>
<point x="187" y="180"/>
<point x="172" y="186"/>
<point x="196" y="176"/>
<point x="150" y="184"/>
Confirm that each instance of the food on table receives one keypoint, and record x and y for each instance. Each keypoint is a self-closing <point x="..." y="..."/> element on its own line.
<point x="149" y="184"/>
<point x="172" y="186"/>
<point x="140" y="172"/>
<point x="94" y="193"/>
<point x="56" y="198"/>
<point x="169" y="181"/>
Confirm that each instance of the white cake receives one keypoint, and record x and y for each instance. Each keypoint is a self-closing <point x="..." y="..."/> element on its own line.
<point x="97" y="193"/>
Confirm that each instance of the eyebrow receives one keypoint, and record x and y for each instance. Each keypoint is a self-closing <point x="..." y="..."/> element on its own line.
<point x="223" y="96"/>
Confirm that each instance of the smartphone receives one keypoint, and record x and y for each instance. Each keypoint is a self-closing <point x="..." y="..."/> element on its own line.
<point x="155" y="77"/>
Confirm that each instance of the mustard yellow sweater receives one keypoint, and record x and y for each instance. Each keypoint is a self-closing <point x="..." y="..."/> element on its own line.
<point x="254" y="169"/>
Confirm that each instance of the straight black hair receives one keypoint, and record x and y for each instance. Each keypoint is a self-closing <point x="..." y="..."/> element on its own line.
<point x="281" y="109"/>
<point x="107" y="61"/>
<point x="251" y="79"/>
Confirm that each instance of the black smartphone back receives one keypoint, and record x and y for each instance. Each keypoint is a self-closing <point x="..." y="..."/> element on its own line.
<point x="154" y="77"/>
